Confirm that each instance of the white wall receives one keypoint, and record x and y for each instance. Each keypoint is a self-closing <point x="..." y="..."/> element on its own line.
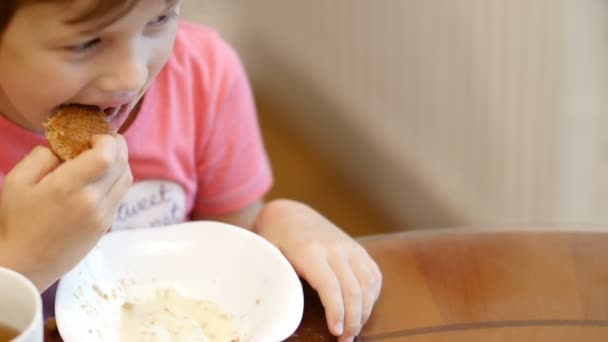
<point x="447" y="112"/>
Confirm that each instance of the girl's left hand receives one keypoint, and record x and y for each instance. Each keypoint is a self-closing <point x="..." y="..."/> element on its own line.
<point x="335" y="265"/>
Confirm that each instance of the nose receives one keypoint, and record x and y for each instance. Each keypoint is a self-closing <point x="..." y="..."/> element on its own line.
<point x="127" y="73"/>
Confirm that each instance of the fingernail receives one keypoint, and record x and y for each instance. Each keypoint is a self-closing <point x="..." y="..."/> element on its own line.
<point x="339" y="328"/>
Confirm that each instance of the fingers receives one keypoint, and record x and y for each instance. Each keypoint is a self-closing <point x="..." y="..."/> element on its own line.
<point x="119" y="165"/>
<point x="346" y="339"/>
<point x="369" y="284"/>
<point x="377" y="274"/>
<point x="35" y="166"/>
<point x="361" y="282"/>
<point x="374" y="280"/>
<point x="92" y="164"/>
<point x="118" y="190"/>
<point x="323" y="279"/>
<point x="115" y="195"/>
<point x="352" y="296"/>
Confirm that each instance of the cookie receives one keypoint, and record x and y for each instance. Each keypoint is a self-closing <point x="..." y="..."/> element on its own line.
<point x="69" y="131"/>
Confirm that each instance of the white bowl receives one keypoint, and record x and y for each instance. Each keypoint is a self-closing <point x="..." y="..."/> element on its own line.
<point x="238" y="270"/>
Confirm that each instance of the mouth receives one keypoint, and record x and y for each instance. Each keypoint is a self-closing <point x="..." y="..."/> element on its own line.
<point x="115" y="116"/>
<point x="113" y="112"/>
<point x="110" y="113"/>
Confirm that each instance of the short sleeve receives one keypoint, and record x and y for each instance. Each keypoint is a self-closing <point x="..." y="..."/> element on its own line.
<point x="233" y="167"/>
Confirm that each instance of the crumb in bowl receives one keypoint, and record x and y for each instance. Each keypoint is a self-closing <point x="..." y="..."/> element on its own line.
<point x="170" y="316"/>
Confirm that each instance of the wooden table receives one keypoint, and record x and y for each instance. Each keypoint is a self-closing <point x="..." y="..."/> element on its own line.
<point x="491" y="285"/>
<point x="483" y="285"/>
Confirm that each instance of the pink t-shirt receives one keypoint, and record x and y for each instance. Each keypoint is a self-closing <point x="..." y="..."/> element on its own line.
<point x="195" y="146"/>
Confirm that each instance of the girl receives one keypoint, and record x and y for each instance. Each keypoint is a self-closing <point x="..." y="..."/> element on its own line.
<point x="180" y="99"/>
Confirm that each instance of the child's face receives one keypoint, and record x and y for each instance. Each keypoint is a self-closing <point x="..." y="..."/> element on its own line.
<point x="45" y="62"/>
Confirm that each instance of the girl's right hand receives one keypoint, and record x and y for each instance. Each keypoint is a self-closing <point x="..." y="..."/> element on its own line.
<point x="52" y="213"/>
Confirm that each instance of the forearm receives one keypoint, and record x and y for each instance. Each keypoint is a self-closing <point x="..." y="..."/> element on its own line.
<point x="268" y="219"/>
<point x="273" y="219"/>
<point x="284" y="219"/>
<point x="244" y="218"/>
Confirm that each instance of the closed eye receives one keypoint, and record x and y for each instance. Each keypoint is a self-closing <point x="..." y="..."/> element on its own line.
<point x="163" y="19"/>
<point x="84" y="47"/>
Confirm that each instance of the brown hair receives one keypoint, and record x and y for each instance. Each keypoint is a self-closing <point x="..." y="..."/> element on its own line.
<point x="104" y="12"/>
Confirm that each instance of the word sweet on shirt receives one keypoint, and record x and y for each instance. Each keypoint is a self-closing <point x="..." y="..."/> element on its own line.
<point x="151" y="204"/>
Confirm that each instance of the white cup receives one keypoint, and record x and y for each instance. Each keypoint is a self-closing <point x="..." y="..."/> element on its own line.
<point x="20" y="306"/>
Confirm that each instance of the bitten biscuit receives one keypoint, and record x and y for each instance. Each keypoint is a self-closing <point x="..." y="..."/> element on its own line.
<point x="70" y="130"/>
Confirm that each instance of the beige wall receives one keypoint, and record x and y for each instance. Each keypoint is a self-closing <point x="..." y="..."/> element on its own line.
<point x="447" y="112"/>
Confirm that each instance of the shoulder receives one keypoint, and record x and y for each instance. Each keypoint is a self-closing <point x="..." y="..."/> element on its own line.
<point x="203" y="85"/>
<point x="200" y="51"/>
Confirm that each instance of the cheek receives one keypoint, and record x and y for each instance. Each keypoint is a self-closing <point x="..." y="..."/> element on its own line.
<point x="34" y="100"/>
<point x="30" y="94"/>
<point x="38" y="84"/>
<point x="161" y="53"/>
